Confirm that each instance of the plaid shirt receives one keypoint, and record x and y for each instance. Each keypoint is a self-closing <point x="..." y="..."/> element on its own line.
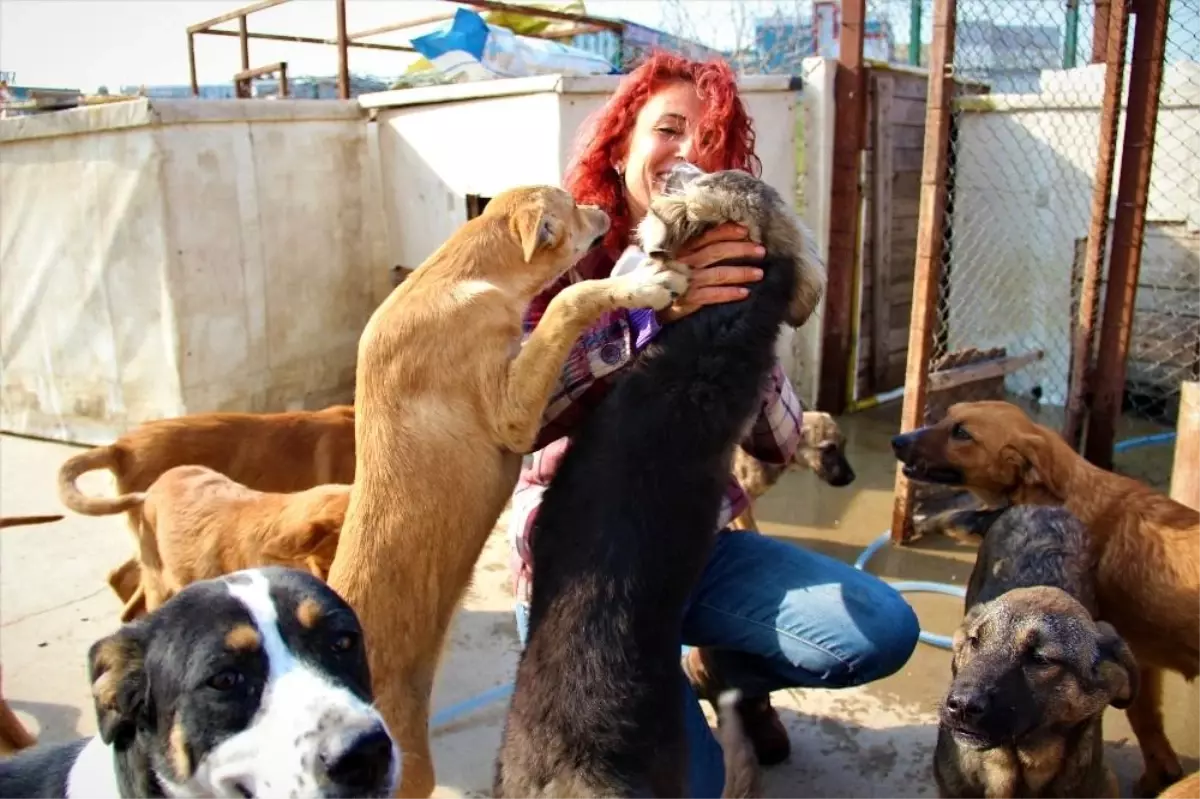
<point x="601" y="352"/>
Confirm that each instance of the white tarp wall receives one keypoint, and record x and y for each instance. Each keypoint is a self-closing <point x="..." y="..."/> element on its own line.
<point x="162" y="257"/>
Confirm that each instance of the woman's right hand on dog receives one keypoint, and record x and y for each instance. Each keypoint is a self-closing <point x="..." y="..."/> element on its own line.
<point x="713" y="284"/>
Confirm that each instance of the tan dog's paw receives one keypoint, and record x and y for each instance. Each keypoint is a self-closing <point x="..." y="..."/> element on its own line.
<point x="655" y="284"/>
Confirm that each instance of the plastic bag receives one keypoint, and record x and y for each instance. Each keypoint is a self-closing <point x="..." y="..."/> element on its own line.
<point x="470" y="49"/>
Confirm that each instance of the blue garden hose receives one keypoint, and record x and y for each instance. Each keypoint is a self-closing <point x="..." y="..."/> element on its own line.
<point x="1143" y="441"/>
<point x="913" y="587"/>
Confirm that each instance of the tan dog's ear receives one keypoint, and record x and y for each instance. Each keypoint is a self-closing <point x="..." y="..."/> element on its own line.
<point x="536" y="230"/>
<point x="119" y="688"/>
<point x="1028" y="456"/>
<point x="1117" y="667"/>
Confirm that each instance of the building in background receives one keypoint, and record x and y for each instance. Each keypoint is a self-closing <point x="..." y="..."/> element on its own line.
<point x="1009" y="58"/>
<point x="781" y="43"/>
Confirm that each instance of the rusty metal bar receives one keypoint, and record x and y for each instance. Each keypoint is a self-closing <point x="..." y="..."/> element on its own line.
<point x="200" y="27"/>
<point x="343" y="52"/>
<point x="192" y="64"/>
<point x="929" y="246"/>
<point x="399" y="26"/>
<point x="283" y="37"/>
<point x="243" y="36"/>
<point x="547" y="13"/>
<point x="850" y="117"/>
<point x="1100" y="23"/>
<point x="1117" y="26"/>
<point x="1133" y="188"/>
<point x="241" y="80"/>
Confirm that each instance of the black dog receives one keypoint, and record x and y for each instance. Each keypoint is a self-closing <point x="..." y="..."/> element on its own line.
<point x="254" y="684"/>
<point x="623" y="533"/>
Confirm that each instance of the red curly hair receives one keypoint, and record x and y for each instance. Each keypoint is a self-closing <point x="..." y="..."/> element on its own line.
<point x="724" y="137"/>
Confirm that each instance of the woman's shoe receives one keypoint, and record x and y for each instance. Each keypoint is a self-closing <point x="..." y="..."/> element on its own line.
<point x="761" y="721"/>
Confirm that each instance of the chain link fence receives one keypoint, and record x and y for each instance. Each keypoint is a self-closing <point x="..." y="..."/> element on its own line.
<point x="1164" y="346"/>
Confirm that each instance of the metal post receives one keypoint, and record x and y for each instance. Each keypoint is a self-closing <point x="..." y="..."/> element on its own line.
<point x="1071" y="41"/>
<point x="1100" y="29"/>
<point x="243" y="35"/>
<point x="1117" y="28"/>
<point x="914" y="33"/>
<point x="343" y="50"/>
<point x="850" y="93"/>
<point x="1133" y="188"/>
<point x="929" y="245"/>
<point x="192" y="64"/>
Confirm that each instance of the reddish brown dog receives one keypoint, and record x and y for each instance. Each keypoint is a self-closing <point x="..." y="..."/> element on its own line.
<point x="1147" y="545"/>
<point x="278" y="452"/>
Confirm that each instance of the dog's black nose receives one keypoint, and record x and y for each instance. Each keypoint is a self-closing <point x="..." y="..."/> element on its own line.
<point x="967" y="706"/>
<point x="902" y="445"/>
<point x="364" y="765"/>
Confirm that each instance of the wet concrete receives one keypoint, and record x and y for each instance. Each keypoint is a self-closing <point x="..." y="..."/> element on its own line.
<point x="871" y="741"/>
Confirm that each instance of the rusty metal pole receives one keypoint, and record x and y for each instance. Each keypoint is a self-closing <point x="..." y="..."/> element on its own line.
<point x="192" y="64"/>
<point x="1133" y="188"/>
<point x="343" y="51"/>
<point x="243" y="35"/>
<point x="1100" y="23"/>
<point x="850" y="93"/>
<point x="1093" y="266"/>
<point x="927" y="277"/>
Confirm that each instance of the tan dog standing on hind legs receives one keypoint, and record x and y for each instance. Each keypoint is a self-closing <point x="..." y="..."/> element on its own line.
<point x="447" y="403"/>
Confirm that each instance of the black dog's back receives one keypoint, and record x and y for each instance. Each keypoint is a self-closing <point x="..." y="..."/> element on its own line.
<point x="621" y="537"/>
<point x="1031" y="545"/>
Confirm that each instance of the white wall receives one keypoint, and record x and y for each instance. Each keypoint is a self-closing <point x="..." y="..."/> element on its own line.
<point x="162" y="257"/>
<point x="1025" y="171"/>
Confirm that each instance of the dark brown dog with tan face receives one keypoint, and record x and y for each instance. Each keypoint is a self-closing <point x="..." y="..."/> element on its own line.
<point x="1146" y="545"/>
<point x="1033" y="672"/>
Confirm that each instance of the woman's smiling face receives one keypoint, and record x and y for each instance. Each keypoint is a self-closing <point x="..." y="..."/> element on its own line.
<point x="660" y="139"/>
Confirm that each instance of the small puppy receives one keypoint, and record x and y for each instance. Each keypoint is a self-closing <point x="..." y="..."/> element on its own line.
<point x="701" y="201"/>
<point x="822" y="450"/>
<point x="448" y="399"/>
<point x="597" y="708"/>
<point x="1032" y="670"/>
<point x="198" y="524"/>
<point x="254" y="684"/>
<point x="284" y="452"/>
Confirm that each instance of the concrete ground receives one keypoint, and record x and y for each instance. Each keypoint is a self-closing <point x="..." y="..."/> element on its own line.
<point x="870" y="741"/>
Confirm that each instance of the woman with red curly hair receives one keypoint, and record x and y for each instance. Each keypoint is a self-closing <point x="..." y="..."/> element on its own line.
<point x="765" y="615"/>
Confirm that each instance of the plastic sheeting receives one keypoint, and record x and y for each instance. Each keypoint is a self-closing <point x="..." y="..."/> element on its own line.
<point x="167" y="257"/>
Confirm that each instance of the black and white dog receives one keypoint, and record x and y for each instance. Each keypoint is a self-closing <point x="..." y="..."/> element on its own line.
<point x="253" y="684"/>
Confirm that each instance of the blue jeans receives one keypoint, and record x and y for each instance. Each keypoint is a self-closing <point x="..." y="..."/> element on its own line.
<point x="776" y="616"/>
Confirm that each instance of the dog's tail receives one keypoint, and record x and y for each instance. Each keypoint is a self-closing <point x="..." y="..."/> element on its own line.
<point x="14" y="521"/>
<point x="742" y="776"/>
<point x="76" y="500"/>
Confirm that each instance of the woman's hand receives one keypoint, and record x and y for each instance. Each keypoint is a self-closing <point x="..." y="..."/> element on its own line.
<point x="713" y="284"/>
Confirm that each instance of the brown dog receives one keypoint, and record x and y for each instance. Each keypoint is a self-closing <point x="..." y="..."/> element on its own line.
<point x="1033" y="672"/>
<point x="822" y="450"/>
<point x="280" y="452"/>
<point x="197" y="524"/>
<point x="1147" y="546"/>
<point x="447" y="401"/>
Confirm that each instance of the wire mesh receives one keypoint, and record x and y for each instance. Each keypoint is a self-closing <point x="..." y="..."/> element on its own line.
<point x="1164" y="346"/>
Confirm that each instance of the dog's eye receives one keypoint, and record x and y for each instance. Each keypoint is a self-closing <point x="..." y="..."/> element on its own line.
<point x="344" y="642"/>
<point x="226" y="680"/>
<point x="959" y="433"/>
<point x="1041" y="659"/>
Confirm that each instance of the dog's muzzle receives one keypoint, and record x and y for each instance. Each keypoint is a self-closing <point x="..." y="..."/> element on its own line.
<point x="361" y="765"/>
